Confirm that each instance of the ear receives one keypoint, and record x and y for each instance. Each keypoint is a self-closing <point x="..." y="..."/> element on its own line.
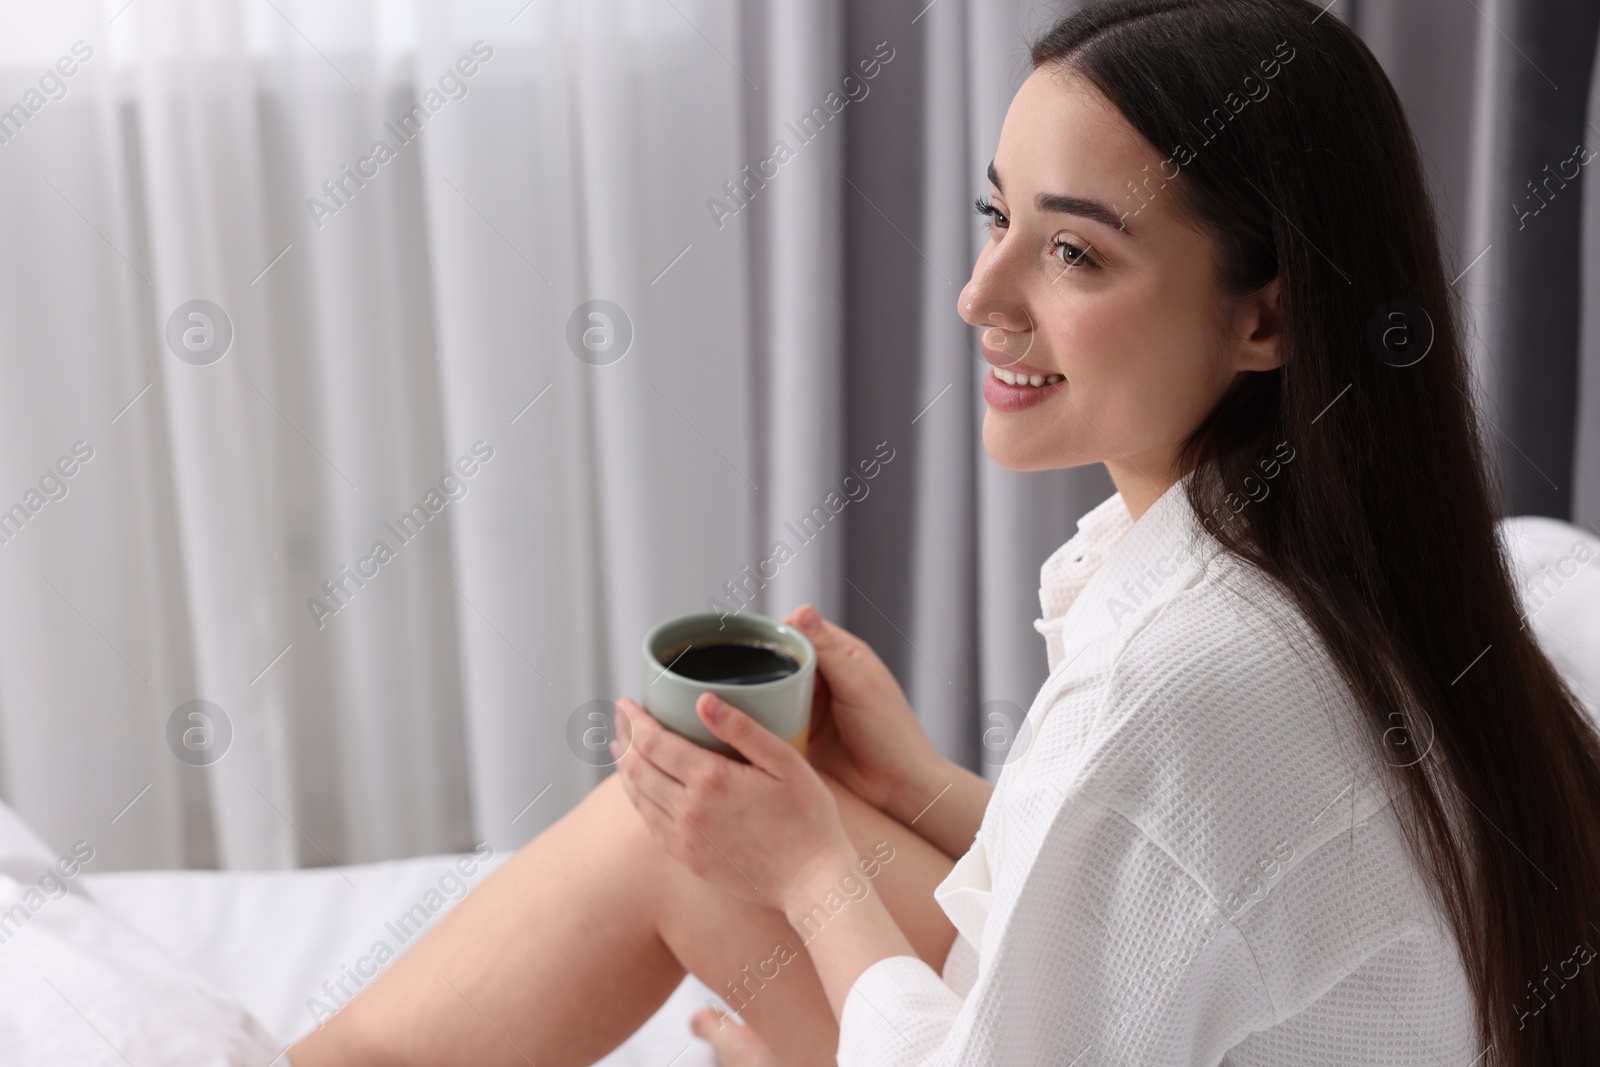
<point x="1258" y="331"/>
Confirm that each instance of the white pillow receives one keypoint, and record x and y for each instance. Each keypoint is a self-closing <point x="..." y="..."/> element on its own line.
<point x="1556" y="566"/>
<point x="78" y="987"/>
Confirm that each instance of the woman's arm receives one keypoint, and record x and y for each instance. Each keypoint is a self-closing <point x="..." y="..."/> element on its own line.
<point x="943" y="802"/>
<point x="864" y="733"/>
<point x="843" y="943"/>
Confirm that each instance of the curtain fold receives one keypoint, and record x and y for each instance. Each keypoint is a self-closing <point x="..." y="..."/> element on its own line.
<point x="1586" y="465"/>
<point x="201" y="150"/>
<point x="626" y="493"/>
<point x="548" y="321"/>
<point x="1529" y="123"/>
<point x="793" y="228"/>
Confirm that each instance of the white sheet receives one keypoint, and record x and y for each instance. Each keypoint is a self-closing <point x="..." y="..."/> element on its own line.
<point x="78" y="987"/>
<point x="272" y="939"/>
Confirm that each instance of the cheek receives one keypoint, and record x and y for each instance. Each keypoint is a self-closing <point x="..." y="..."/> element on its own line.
<point x="1108" y="340"/>
<point x="1140" y="362"/>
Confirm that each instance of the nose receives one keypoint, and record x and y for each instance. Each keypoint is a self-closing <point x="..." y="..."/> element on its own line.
<point x="1007" y="330"/>
<point x="989" y="301"/>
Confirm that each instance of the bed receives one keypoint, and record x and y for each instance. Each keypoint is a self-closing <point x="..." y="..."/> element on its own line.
<point x="281" y="941"/>
<point x="224" y="968"/>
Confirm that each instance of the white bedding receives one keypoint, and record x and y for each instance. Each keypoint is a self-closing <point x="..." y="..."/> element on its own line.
<point x="78" y="987"/>
<point x="1556" y="567"/>
<point x="272" y="939"/>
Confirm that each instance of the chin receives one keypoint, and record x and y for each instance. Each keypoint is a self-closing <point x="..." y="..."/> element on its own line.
<point x="1021" y="444"/>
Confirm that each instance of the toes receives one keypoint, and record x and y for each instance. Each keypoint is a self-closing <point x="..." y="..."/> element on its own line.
<point x="735" y="1044"/>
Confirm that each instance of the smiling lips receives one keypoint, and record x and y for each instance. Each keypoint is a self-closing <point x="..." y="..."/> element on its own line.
<point x="1013" y="386"/>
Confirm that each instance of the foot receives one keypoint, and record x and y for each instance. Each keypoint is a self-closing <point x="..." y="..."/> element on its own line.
<point x="735" y="1044"/>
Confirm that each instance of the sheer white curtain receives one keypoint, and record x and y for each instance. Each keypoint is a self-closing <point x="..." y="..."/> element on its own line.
<point x="627" y="489"/>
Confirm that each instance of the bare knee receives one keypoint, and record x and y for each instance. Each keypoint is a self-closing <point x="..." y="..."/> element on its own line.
<point x="618" y="824"/>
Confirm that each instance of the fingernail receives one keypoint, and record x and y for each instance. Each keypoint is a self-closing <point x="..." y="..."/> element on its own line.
<point x="809" y="619"/>
<point x="714" y="707"/>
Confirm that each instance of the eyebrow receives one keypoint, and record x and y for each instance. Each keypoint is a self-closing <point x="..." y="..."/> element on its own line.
<point x="1061" y="204"/>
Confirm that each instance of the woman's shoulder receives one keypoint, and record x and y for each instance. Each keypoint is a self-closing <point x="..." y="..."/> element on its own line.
<point x="1215" y="749"/>
<point x="1223" y="732"/>
<point x="1226" y="665"/>
<point x="1229" y="663"/>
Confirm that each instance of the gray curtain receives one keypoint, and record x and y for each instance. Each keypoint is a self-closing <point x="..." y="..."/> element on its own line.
<point x="940" y="566"/>
<point x="858" y="262"/>
<point x="1531" y="68"/>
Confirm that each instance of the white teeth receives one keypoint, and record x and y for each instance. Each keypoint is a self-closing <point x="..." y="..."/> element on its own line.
<point x="1033" y="380"/>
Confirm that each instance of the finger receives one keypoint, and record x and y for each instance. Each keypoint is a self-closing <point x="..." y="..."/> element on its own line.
<point x="639" y="735"/>
<point x="652" y="812"/>
<point x="838" y="650"/>
<point x="805" y="618"/>
<point x="633" y="765"/>
<point x="651" y="781"/>
<point x="820" y="693"/>
<point x="735" y="1044"/>
<point x="763" y="748"/>
<point x="676" y="756"/>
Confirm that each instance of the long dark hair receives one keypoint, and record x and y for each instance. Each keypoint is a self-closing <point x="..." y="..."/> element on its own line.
<point x="1289" y="146"/>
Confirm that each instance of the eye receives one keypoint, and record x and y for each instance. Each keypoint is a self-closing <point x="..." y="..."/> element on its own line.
<point x="1073" y="256"/>
<point x="984" y="207"/>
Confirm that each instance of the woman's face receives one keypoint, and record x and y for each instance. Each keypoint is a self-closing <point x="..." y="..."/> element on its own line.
<point x="1100" y="287"/>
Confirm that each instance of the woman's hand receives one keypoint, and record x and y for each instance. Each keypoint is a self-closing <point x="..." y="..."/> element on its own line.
<point x="768" y="832"/>
<point x="863" y="731"/>
<point x="763" y="831"/>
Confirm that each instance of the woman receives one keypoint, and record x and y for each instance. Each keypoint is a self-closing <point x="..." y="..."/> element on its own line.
<point x="1298" y="789"/>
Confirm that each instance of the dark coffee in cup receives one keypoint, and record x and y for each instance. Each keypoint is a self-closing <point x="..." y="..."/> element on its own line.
<point x="733" y="663"/>
<point x="761" y="666"/>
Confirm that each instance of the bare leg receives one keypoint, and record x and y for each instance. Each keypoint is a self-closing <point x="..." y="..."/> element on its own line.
<point x="565" y="950"/>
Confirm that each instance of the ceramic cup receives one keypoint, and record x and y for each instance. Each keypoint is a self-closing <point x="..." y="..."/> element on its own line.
<point x="782" y="706"/>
